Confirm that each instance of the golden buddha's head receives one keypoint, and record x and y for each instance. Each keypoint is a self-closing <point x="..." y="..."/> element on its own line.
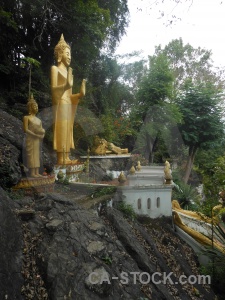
<point x="62" y="52"/>
<point x="32" y="105"/>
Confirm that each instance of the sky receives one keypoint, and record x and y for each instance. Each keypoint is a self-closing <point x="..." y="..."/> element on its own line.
<point x="202" y="25"/>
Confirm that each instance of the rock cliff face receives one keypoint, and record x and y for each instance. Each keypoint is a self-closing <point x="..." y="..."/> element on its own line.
<point x="51" y="248"/>
<point x="11" y="144"/>
<point x="11" y="245"/>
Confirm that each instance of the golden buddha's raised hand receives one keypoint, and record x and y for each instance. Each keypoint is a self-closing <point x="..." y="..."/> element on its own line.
<point x="70" y="77"/>
<point x="83" y="88"/>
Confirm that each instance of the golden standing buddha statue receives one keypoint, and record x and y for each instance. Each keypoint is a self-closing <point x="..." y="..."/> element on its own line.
<point x="34" y="134"/>
<point x="64" y="102"/>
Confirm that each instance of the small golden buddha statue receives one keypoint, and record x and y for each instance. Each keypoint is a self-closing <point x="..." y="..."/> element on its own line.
<point x="167" y="172"/>
<point x="34" y="135"/>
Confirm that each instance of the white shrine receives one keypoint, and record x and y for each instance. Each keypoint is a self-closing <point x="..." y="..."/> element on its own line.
<point x="148" y="193"/>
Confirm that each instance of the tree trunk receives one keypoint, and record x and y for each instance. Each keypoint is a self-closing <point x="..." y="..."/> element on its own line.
<point x="150" y="148"/>
<point x="148" y="154"/>
<point x="190" y="161"/>
<point x="147" y="150"/>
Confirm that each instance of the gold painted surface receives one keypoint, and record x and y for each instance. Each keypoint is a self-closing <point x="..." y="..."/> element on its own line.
<point x="34" y="135"/>
<point x="35" y="182"/>
<point x="122" y="178"/>
<point x="167" y="172"/>
<point x="199" y="237"/>
<point x="193" y="214"/>
<point x="64" y="102"/>
<point x="103" y="147"/>
<point x="138" y="168"/>
<point x="132" y="170"/>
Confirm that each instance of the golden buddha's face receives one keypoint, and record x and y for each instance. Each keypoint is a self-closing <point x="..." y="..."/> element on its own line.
<point x="33" y="108"/>
<point x="66" y="57"/>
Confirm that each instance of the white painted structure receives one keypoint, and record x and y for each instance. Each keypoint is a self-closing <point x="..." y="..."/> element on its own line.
<point x="154" y="200"/>
<point x="147" y="192"/>
<point x="145" y="179"/>
<point x="72" y="171"/>
<point x="152" y="170"/>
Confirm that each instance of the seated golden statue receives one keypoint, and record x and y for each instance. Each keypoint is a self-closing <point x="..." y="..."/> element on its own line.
<point x="167" y="172"/>
<point x="34" y="134"/>
<point x="64" y="102"/>
<point x="102" y="147"/>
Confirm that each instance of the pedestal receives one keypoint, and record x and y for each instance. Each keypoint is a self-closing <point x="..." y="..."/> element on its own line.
<point x="71" y="171"/>
<point x="36" y="184"/>
<point x="111" y="162"/>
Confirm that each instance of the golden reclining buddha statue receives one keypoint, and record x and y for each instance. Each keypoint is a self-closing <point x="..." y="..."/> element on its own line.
<point x="103" y="147"/>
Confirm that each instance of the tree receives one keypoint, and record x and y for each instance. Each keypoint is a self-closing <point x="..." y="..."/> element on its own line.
<point x="33" y="28"/>
<point x="154" y="110"/>
<point x="133" y="72"/>
<point x="193" y="71"/>
<point x="111" y="95"/>
<point x="202" y="124"/>
<point x="188" y="62"/>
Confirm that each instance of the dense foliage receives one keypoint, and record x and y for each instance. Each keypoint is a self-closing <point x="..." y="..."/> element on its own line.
<point x="153" y="110"/>
<point x="180" y="102"/>
<point x="33" y="28"/>
<point x="202" y="119"/>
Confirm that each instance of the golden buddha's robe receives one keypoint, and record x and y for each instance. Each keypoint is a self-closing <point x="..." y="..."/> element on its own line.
<point x="64" y="110"/>
<point x="33" y="143"/>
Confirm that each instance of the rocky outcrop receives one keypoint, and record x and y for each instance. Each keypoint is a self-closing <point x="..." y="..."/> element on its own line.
<point x="11" y="144"/>
<point x="74" y="253"/>
<point x="156" y="249"/>
<point x="74" y="243"/>
<point x="11" y="129"/>
<point x="10" y="171"/>
<point x="11" y="255"/>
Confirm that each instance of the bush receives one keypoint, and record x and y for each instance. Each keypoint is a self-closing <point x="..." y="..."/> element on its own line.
<point x="187" y="196"/>
<point x="127" y="210"/>
<point x="207" y="206"/>
<point x="216" y="269"/>
<point x="104" y="191"/>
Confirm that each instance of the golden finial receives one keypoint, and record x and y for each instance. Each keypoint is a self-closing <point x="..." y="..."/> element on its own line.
<point x="132" y="170"/>
<point x="61" y="38"/>
<point x="122" y="178"/>
<point x="138" y="168"/>
<point x="31" y="99"/>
